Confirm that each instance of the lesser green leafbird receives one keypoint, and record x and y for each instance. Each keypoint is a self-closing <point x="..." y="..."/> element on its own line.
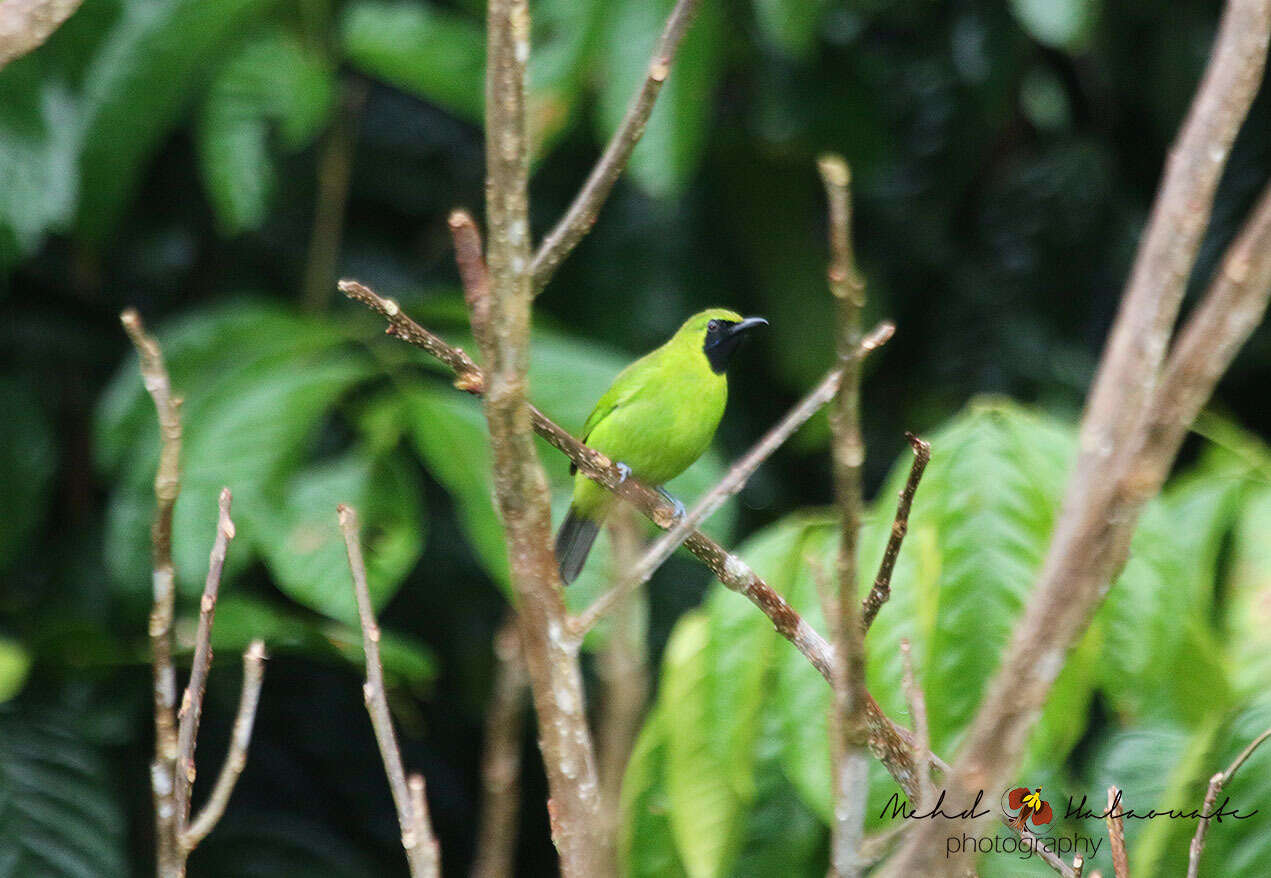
<point x="657" y="417"/>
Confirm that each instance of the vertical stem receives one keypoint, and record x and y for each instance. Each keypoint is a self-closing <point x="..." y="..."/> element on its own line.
<point x="501" y="760"/>
<point x="847" y="728"/>
<point x="519" y="481"/>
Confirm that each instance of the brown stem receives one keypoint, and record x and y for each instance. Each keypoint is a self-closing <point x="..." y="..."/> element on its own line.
<point x="520" y="485"/>
<point x="501" y="759"/>
<point x="167" y="485"/>
<point x="420" y="851"/>
<point x="582" y="213"/>
<point x="922" y="738"/>
<point x="26" y="24"/>
<point x="1135" y="419"/>
<point x="1216" y="783"/>
<point x="732" y="482"/>
<point x="891" y="743"/>
<point x="1116" y="834"/>
<point x="192" y="701"/>
<point x="881" y="590"/>
<point x="240" y="741"/>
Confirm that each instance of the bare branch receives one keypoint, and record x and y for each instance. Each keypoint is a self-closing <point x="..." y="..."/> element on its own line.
<point x="850" y="769"/>
<point x="192" y="701"/>
<point x="1216" y="783"/>
<point x="417" y="855"/>
<point x="881" y="590"/>
<point x="891" y="743"/>
<point x="26" y="24"/>
<point x="1078" y="865"/>
<point x="501" y="759"/>
<point x="429" y="850"/>
<point x="472" y="272"/>
<point x="1135" y="418"/>
<point x="582" y="213"/>
<point x="240" y="741"/>
<point x="1116" y="834"/>
<point x="167" y="485"/>
<point x="732" y="482"/>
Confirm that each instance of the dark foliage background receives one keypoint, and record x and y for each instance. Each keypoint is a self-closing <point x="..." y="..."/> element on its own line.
<point x="169" y="154"/>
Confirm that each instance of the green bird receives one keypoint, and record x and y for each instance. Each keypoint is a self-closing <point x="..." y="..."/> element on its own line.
<point x="657" y="417"/>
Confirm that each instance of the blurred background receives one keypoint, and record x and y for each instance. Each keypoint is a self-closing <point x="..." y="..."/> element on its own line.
<point x="219" y="164"/>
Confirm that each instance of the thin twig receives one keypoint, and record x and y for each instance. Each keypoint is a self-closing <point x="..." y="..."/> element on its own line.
<point x="192" y="701"/>
<point x="881" y="590"/>
<point x="417" y="855"/>
<point x="922" y="738"/>
<point x="167" y="485"/>
<point x="1078" y="865"/>
<point x="732" y="482"/>
<point x="472" y="272"/>
<point x="850" y="769"/>
<point x="240" y="741"/>
<point x="891" y="743"/>
<point x="1135" y="417"/>
<point x="501" y="759"/>
<point x="1216" y="783"/>
<point x="1116" y="834"/>
<point x="582" y="213"/>
<point x="425" y="840"/>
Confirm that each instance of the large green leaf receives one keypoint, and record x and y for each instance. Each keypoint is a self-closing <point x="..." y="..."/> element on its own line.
<point x="39" y="141"/>
<point x="273" y="83"/>
<point x="668" y="154"/>
<point x="1247" y="609"/>
<point x="58" y="815"/>
<point x="138" y="83"/>
<point x="421" y="48"/>
<point x="646" y="845"/>
<point x="304" y="548"/>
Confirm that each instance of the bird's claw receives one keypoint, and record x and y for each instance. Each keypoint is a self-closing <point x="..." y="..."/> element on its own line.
<point x="680" y="512"/>
<point x="624" y="471"/>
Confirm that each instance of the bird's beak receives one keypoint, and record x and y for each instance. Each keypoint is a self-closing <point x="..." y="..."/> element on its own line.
<point x="746" y="325"/>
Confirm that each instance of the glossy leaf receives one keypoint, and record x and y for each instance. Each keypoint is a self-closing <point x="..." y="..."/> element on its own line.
<point x="646" y="844"/>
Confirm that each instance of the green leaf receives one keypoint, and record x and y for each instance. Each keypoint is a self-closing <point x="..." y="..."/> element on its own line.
<point x="273" y="82"/>
<point x="140" y="79"/>
<point x="40" y="137"/>
<point x="254" y="392"/>
<point x="58" y="817"/>
<point x="1247" y="608"/>
<point x="421" y="48"/>
<point x="646" y="844"/>
<point x="706" y="809"/>
<point x="1238" y="848"/>
<point x="564" y="37"/>
<point x="15" y="664"/>
<point x="28" y="460"/>
<point x="668" y="154"/>
<point x="304" y="548"/>
<point x="1060" y="24"/>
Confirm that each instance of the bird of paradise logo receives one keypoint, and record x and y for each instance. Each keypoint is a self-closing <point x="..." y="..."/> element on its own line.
<point x="1025" y="806"/>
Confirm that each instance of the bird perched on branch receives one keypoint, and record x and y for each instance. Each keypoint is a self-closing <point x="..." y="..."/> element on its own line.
<point x="657" y="417"/>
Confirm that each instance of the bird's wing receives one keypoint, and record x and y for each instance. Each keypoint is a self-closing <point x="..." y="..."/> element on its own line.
<point x="623" y="391"/>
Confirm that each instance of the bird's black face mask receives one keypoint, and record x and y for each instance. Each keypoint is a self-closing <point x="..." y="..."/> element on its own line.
<point x="722" y="339"/>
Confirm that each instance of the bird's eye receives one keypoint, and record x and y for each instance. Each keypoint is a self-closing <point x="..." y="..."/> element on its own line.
<point x="713" y="326"/>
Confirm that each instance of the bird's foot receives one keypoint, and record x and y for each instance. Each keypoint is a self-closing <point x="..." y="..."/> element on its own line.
<point x="624" y="471"/>
<point x="680" y="512"/>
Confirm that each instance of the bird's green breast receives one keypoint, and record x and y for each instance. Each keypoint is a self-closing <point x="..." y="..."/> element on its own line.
<point x="663" y="412"/>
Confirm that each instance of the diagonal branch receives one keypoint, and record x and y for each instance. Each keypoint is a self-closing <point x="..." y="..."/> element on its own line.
<point x="581" y="215"/>
<point x="891" y="744"/>
<point x="416" y="832"/>
<point x="1216" y="783"/>
<point x="192" y="701"/>
<point x="1114" y="817"/>
<point x="732" y="482"/>
<point x="881" y="590"/>
<point x="240" y="741"/>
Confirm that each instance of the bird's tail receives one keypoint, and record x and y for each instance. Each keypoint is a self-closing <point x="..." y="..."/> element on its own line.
<point x="573" y="543"/>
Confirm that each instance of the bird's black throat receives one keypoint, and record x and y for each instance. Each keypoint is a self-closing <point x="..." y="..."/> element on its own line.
<point x="723" y="337"/>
